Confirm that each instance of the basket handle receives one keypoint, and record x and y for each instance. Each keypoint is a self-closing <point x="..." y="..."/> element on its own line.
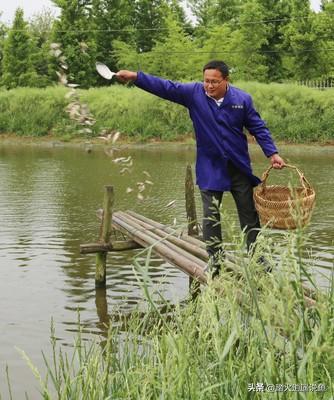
<point x="304" y="182"/>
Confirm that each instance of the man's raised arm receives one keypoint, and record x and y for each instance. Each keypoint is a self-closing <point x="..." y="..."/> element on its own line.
<point x="180" y="93"/>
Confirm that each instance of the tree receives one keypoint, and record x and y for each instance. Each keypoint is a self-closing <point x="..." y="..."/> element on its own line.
<point x="174" y="56"/>
<point x="324" y="3"/>
<point x="17" y="64"/>
<point x="303" y="59"/>
<point x="209" y="13"/>
<point x="276" y="15"/>
<point x="3" y="31"/>
<point x="148" y="23"/>
<point x="177" y="9"/>
<point x="254" y="27"/>
<point x="219" y="45"/>
<point x="113" y="20"/>
<point x="40" y="28"/>
<point x="202" y="11"/>
<point x="75" y="31"/>
<point x="248" y="41"/>
<point x="324" y="29"/>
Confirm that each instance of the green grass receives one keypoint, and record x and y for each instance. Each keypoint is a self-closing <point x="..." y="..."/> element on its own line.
<point x="293" y="113"/>
<point x="246" y="329"/>
<point x="32" y="112"/>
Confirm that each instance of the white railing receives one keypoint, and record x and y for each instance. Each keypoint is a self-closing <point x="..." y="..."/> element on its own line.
<point x="317" y="84"/>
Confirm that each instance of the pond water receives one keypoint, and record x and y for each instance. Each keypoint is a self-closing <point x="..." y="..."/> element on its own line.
<point x="48" y="201"/>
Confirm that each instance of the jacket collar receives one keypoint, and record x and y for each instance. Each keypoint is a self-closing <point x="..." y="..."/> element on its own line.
<point x="228" y="98"/>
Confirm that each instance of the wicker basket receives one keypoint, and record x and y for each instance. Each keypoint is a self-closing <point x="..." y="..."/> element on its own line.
<point x="283" y="207"/>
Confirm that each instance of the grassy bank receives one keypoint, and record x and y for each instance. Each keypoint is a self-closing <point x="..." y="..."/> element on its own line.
<point x="293" y="113"/>
<point x="251" y="337"/>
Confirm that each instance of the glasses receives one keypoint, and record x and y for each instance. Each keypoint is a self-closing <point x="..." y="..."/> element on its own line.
<point x="213" y="83"/>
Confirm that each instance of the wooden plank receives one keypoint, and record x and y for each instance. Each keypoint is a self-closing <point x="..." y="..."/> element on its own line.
<point x="194" y="286"/>
<point x="190" y="203"/>
<point x="120" y="245"/>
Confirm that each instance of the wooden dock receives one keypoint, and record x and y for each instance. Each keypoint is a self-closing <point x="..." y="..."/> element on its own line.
<point x="181" y="249"/>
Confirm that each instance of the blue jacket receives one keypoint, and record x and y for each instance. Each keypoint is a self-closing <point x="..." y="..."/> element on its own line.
<point x="219" y="129"/>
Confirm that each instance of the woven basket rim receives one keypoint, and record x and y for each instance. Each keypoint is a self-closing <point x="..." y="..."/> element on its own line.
<point x="305" y="194"/>
<point x="275" y="203"/>
<point x="260" y="187"/>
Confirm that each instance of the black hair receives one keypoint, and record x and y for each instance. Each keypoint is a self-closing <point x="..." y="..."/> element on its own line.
<point x="219" y="65"/>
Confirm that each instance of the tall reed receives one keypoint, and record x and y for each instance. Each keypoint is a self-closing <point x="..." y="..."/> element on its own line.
<point x="250" y="335"/>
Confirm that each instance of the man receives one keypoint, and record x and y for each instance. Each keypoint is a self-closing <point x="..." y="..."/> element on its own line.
<point x="219" y="112"/>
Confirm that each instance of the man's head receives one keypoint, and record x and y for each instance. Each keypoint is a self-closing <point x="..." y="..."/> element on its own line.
<point x="215" y="77"/>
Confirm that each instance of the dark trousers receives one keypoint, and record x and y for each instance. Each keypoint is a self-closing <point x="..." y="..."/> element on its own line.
<point x="242" y="192"/>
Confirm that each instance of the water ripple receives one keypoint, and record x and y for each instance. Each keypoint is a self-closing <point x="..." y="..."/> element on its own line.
<point x="48" y="201"/>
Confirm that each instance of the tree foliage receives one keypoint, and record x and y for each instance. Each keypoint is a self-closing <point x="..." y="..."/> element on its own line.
<point x="301" y="41"/>
<point x="213" y="12"/>
<point x="40" y="28"/>
<point x="3" y="31"/>
<point x="148" y="23"/>
<point x="248" y="40"/>
<point x="17" y="65"/>
<point x="169" y="56"/>
<point x="324" y="30"/>
<point x="75" y="31"/>
<point x="263" y="40"/>
<point x="113" y="22"/>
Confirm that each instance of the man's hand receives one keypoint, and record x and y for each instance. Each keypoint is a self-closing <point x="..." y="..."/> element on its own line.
<point x="277" y="161"/>
<point x="126" y="76"/>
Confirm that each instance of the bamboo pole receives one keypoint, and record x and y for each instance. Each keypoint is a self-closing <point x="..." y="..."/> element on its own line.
<point x="231" y="261"/>
<point x="167" y="229"/>
<point x="163" y="238"/>
<point x="115" y="246"/>
<point x="101" y="257"/>
<point x="181" y="262"/>
<point x="131" y="222"/>
<point x="189" y="247"/>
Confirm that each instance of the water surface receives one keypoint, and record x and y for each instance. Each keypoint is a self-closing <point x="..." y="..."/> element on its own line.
<point x="48" y="202"/>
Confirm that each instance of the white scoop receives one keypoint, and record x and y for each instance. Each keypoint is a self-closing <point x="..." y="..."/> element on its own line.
<point x="104" y="71"/>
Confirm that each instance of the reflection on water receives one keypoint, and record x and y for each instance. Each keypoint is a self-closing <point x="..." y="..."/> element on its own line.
<point x="48" y="201"/>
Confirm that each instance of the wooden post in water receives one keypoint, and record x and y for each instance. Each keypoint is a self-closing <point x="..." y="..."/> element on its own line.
<point x="101" y="257"/>
<point x="190" y="203"/>
<point x="194" y="286"/>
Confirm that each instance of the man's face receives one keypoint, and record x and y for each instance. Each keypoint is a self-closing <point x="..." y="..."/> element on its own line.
<point x="214" y="83"/>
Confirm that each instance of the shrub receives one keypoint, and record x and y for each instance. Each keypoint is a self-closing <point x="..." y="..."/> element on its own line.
<point x="293" y="113"/>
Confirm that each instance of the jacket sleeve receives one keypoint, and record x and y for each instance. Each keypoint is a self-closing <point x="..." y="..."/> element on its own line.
<point x="257" y="127"/>
<point x="176" y="92"/>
